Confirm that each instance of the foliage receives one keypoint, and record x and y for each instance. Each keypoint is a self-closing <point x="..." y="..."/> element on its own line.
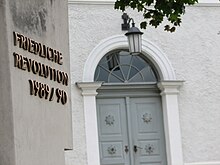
<point x="154" y="11"/>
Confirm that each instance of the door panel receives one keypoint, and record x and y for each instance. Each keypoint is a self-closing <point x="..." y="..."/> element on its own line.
<point x="112" y="131"/>
<point x="148" y="131"/>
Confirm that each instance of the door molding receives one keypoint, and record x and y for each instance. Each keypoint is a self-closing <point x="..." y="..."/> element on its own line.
<point x="169" y="87"/>
<point x="130" y="90"/>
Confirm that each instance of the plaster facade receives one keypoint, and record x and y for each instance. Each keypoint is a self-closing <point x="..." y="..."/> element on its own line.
<point x="193" y="52"/>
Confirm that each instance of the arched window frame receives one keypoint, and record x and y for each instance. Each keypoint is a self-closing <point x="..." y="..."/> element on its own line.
<point x="118" y="66"/>
<point x="168" y="85"/>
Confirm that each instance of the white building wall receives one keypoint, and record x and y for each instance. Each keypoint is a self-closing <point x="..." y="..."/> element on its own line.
<point x="194" y="53"/>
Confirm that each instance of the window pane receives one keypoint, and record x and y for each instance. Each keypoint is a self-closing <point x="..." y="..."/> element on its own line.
<point x="119" y="66"/>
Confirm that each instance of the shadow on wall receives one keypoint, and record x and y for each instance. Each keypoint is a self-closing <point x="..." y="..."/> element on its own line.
<point x="29" y="17"/>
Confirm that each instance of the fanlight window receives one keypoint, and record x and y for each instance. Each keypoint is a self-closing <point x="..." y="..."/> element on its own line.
<point x="121" y="67"/>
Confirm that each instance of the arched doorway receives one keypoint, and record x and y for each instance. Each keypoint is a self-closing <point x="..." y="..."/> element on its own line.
<point x="169" y="90"/>
<point x="129" y="111"/>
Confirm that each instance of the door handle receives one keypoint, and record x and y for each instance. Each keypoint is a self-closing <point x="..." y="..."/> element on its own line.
<point x="136" y="148"/>
<point x="126" y="149"/>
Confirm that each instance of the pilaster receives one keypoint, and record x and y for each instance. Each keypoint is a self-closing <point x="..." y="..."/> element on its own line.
<point x="89" y="96"/>
<point x="169" y="93"/>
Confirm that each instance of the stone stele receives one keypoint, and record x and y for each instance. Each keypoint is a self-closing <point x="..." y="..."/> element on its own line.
<point x="35" y="103"/>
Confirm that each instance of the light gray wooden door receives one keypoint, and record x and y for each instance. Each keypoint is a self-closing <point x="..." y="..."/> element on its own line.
<point x="112" y="126"/>
<point x="147" y="130"/>
<point x="131" y="131"/>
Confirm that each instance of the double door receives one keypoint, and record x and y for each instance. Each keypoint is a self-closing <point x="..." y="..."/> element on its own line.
<point x="131" y="131"/>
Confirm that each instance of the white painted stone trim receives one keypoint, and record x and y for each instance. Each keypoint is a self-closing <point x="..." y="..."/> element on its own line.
<point x="203" y="163"/>
<point x="159" y="59"/>
<point x="150" y="50"/>
<point x="92" y="144"/>
<point x="169" y="93"/>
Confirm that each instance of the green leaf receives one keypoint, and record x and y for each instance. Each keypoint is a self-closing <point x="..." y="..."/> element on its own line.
<point x="143" y="25"/>
<point x="171" y="10"/>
